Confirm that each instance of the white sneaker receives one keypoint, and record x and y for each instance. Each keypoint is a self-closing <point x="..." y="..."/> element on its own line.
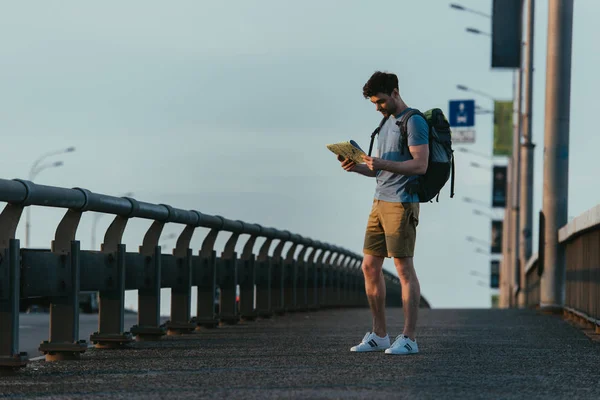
<point x="372" y="342"/>
<point x="403" y="345"/>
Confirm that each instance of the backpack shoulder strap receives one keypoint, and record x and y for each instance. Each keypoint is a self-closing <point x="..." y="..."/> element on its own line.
<point x="403" y="125"/>
<point x="375" y="132"/>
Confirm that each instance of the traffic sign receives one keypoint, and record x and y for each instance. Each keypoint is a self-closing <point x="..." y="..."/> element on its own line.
<point x="463" y="135"/>
<point x="462" y="113"/>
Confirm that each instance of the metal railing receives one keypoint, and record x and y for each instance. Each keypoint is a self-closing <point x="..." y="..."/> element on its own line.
<point x="532" y="282"/>
<point x="270" y="282"/>
<point x="581" y="241"/>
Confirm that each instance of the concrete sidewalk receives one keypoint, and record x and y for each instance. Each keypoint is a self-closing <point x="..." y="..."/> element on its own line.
<point x="465" y="354"/>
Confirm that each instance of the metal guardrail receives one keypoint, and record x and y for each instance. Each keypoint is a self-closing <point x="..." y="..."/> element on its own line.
<point x="532" y="282"/>
<point x="581" y="240"/>
<point x="320" y="276"/>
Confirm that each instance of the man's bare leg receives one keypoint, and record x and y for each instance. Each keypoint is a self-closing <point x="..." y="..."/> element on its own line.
<point x="411" y="294"/>
<point x="375" y="289"/>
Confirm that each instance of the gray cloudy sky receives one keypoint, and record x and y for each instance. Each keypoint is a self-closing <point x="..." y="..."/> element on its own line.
<point x="226" y="108"/>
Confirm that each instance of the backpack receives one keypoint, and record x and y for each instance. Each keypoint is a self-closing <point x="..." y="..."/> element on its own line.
<point x="441" y="155"/>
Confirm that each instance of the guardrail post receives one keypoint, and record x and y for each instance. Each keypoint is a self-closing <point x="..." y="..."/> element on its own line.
<point x="359" y="292"/>
<point x="324" y="279"/>
<point x="301" y="280"/>
<point x="329" y="279"/>
<point x="227" y="276"/>
<point x="64" y="343"/>
<point x="247" y="279"/>
<point x="291" y="275"/>
<point x="264" y="281"/>
<point x="337" y="280"/>
<point x="312" y="279"/>
<point x="347" y="273"/>
<point x="149" y="327"/>
<point x="354" y="299"/>
<point x="345" y="281"/>
<point x="394" y="298"/>
<point x="205" y="278"/>
<point x="10" y="279"/>
<point x="349" y="276"/>
<point x="278" y="280"/>
<point x="181" y="290"/>
<point x="318" y="280"/>
<point x="111" y="326"/>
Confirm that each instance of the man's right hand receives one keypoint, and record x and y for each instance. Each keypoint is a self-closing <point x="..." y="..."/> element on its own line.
<point x="348" y="165"/>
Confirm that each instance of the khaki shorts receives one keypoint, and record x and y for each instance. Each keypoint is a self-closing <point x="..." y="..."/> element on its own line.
<point x="392" y="229"/>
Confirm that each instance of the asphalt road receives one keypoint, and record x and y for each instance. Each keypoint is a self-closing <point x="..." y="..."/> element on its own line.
<point x="464" y="354"/>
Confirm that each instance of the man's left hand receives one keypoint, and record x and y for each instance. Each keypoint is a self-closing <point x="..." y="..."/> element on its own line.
<point x="373" y="163"/>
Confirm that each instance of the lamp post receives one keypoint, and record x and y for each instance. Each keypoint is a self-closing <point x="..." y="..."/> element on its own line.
<point x="465" y="150"/>
<point x="479" y="92"/>
<point x="478" y="32"/>
<point x="481" y="251"/>
<point x="483" y="214"/>
<point x="463" y="8"/>
<point x="36" y="168"/>
<point x="479" y="110"/>
<point x="97" y="217"/>
<point x="526" y="170"/>
<point x="479" y="274"/>
<point x="476" y="202"/>
<point x="482" y="242"/>
<point x="477" y="165"/>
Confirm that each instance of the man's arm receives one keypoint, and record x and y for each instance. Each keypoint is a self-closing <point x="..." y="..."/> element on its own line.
<point x="416" y="166"/>
<point x="362" y="169"/>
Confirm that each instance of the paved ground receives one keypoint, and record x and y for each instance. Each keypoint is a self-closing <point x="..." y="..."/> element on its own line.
<point x="465" y="354"/>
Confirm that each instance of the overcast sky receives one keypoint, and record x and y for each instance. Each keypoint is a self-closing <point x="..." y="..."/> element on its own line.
<point x="226" y="108"/>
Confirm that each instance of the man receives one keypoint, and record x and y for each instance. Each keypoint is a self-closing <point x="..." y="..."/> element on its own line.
<point x="392" y="223"/>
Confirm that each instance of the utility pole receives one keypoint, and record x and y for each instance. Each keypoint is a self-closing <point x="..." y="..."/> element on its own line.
<point x="556" y="150"/>
<point x="505" y="266"/>
<point x="526" y="200"/>
<point x="514" y="201"/>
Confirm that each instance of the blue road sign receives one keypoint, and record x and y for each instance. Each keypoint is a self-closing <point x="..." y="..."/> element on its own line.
<point x="462" y="113"/>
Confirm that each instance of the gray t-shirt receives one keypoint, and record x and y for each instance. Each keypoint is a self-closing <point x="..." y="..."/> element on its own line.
<point x="390" y="186"/>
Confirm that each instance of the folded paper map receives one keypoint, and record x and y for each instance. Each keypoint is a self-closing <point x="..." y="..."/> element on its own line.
<point x="349" y="150"/>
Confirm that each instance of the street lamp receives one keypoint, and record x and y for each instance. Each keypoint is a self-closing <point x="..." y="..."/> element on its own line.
<point x="477" y="165"/>
<point x="465" y="150"/>
<point x="479" y="110"/>
<point x="463" y="8"/>
<point x="36" y="168"/>
<point x="32" y="171"/>
<point x="481" y="251"/>
<point x="468" y="89"/>
<point x="478" y="32"/>
<point x="476" y="202"/>
<point x="479" y="212"/>
<point x="479" y="274"/>
<point x="475" y="240"/>
<point x="97" y="217"/>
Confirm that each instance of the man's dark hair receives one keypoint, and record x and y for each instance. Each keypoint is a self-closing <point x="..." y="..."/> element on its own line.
<point x="380" y="82"/>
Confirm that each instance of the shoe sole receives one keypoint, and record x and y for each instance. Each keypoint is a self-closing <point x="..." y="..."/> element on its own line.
<point x="367" y="351"/>
<point x="402" y="354"/>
